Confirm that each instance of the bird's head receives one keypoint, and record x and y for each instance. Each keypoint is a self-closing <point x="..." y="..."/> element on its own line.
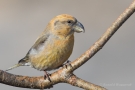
<point x="65" y="25"/>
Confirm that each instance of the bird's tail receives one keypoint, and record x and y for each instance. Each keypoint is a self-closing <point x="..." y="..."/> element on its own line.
<point x="15" y="66"/>
<point x="23" y="62"/>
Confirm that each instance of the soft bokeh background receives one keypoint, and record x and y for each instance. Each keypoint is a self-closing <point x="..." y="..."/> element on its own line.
<point x="21" y="21"/>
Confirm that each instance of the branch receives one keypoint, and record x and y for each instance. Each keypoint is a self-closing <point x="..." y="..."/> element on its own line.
<point x="60" y="76"/>
<point x="104" y="38"/>
<point x="75" y="81"/>
<point x="65" y="75"/>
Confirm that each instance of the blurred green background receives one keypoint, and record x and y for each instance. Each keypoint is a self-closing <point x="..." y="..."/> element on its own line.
<point x="21" y="21"/>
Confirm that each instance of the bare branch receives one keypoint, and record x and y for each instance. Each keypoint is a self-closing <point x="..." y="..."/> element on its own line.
<point x="75" y="81"/>
<point x="65" y="75"/>
<point x="103" y="40"/>
<point x="40" y="83"/>
<point x="25" y="81"/>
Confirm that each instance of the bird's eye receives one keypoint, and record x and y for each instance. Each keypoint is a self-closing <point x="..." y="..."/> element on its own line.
<point x="69" y="21"/>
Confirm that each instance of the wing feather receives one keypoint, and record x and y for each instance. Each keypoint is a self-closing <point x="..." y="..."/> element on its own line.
<point x="41" y="40"/>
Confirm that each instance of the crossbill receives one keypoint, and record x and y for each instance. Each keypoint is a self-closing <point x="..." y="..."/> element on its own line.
<point x="54" y="46"/>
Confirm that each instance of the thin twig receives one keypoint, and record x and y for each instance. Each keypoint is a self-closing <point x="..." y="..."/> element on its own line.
<point x="104" y="38"/>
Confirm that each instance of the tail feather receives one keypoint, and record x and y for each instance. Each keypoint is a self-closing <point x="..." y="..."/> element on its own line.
<point x="15" y="66"/>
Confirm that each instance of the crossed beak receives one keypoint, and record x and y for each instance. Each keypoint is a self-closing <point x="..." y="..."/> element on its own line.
<point x="78" y="27"/>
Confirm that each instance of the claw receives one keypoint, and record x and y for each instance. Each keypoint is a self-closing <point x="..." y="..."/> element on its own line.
<point x="47" y="76"/>
<point x="67" y="63"/>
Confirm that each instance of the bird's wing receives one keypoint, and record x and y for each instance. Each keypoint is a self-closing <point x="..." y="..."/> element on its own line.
<point x="34" y="49"/>
<point x="39" y="43"/>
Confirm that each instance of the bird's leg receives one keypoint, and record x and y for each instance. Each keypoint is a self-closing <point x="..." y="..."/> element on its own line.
<point x="47" y="75"/>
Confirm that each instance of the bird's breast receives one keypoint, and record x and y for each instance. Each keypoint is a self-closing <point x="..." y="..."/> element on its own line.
<point x="53" y="53"/>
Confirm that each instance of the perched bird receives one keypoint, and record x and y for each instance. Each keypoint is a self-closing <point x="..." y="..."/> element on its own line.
<point x="54" y="46"/>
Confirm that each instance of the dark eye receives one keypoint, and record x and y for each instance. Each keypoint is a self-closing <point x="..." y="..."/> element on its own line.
<point x="69" y="21"/>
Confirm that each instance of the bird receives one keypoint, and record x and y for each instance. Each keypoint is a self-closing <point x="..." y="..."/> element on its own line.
<point x="53" y="46"/>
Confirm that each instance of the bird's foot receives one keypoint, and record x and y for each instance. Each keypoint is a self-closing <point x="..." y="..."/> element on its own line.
<point x="47" y="76"/>
<point x="68" y="63"/>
